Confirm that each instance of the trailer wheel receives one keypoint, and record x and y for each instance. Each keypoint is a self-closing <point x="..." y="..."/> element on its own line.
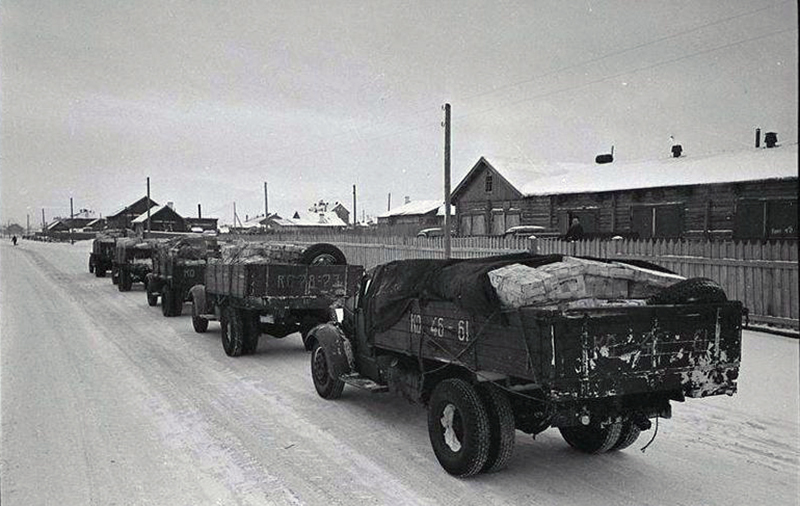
<point x="125" y="281"/>
<point x="91" y="266"/>
<point x="592" y="438"/>
<point x="458" y="426"/>
<point x="152" y="298"/>
<point x="322" y="254"/>
<point x="232" y="338"/>
<point x="690" y="291"/>
<point x="327" y="387"/>
<point x="199" y="323"/>
<point x="629" y="434"/>
<point x="114" y="276"/>
<point x="502" y="429"/>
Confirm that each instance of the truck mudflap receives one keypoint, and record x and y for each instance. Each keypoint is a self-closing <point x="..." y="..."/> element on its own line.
<point x="689" y="350"/>
<point x="337" y="348"/>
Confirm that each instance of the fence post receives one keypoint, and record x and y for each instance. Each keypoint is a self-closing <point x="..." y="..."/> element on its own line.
<point x="533" y="245"/>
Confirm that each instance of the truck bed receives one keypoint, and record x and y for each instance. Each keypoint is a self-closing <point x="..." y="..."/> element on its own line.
<point x="583" y="353"/>
<point x="316" y="284"/>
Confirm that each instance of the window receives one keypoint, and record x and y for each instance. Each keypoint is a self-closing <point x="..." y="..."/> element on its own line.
<point x="488" y="183"/>
<point x="473" y="224"/>
<point x="657" y="221"/>
<point x="765" y="219"/>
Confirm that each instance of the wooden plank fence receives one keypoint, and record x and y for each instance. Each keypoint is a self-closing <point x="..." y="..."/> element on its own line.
<point x="764" y="276"/>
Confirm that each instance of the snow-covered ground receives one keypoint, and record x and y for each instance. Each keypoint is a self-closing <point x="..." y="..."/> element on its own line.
<point x="105" y="401"/>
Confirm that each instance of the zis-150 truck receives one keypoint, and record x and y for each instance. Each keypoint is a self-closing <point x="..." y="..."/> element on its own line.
<point x="178" y="265"/>
<point x="132" y="262"/>
<point x="280" y="290"/>
<point x="522" y="342"/>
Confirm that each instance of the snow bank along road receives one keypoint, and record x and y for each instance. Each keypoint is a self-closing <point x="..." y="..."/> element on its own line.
<point x="105" y="401"/>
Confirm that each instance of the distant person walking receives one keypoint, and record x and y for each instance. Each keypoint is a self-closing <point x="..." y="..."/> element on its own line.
<point x="575" y="232"/>
<point x="14" y="240"/>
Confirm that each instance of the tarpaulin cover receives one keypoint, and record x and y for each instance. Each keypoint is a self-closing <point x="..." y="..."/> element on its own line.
<point x="464" y="282"/>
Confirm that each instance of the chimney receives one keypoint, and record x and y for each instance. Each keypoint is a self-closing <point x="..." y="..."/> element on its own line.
<point x="770" y="139"/>
<point x="758" y="137"/>
<point x="171" y="205"/>
<point x="408" y="199"/>
<point x="199" y="212"/>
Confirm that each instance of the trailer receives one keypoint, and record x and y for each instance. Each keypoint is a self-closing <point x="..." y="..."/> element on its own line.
<point x="258" y="296"/>
<point x="101" y="259"/>
<point x="599" y="370"/>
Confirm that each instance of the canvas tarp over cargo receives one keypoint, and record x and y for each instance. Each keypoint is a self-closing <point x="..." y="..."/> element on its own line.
<point x="261" y="252"/>
<point x="466" y="283"/>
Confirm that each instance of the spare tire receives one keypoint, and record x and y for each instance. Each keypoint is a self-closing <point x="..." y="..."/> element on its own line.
<point x="322" y="254"/>
<point x="690" y="291"/>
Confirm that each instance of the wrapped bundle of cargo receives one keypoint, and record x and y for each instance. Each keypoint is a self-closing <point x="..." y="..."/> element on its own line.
<point x="576" y="279"/>
<point x="262" y="252"/>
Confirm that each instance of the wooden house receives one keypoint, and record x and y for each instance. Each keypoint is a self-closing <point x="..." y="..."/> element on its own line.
<point x="123" y="218"/>
<point x="162" y="218"/>
<point x="412" y="217"/>
<point x="738" y="195"/>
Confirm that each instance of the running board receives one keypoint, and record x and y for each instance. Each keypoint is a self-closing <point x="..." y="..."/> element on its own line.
<point x="358" y="381"/>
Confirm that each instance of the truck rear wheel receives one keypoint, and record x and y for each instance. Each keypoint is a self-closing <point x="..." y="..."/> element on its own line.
<point x="252" y="332"/>
<point x="629" y="434"/>
<point x="459" y="428"/>
<point x="592" y="438"/>
<point x="232" y="332"/>
<point x="167" y="303"/>
<point x="125" y="281"/>
<point x="199" y="323"/>
<point x="327" y="387"/>
<point x="152" y="298"/>
<point x="502" y="429"/>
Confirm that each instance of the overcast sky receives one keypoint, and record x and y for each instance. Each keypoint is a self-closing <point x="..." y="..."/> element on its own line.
<point x="211" y="99"/>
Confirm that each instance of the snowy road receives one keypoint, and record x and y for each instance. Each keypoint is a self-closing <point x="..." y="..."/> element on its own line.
<point x="105" y="401"/>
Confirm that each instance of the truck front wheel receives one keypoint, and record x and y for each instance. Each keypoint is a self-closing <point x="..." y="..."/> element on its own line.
<point x="327" y="387"/>
<point x="199" y="323"/>
<point x="232" y="332"/>
<point x="592" y="438"/>
<point x="459" y="428"/>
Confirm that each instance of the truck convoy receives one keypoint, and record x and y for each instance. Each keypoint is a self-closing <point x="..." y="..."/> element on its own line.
<point x="274" y="289"/>
<point x="521" y="342"/>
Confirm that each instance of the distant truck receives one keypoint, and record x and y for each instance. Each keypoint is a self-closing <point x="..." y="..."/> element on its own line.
<point x="279" y="293"/>
<point x="132" y="262"/>
<point x="178" y="265"/>
<point x="101" y="259"/>
<point x="434" y="332"/>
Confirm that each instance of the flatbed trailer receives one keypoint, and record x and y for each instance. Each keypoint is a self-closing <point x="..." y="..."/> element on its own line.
<point x="598" y="374"/>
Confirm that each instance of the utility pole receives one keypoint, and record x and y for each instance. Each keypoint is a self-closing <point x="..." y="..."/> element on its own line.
<point x="71" y="217"/>
<point x="355" y="215"/>
<point x="266" y="201"/>
<point x="28" y="229"/>
<point x="389" y="203"/>
<point x="447" y="181"/>
<point x="148" y="207"/>
<point x="44" y="223"/>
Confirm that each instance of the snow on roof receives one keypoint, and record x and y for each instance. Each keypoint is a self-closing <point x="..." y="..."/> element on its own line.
<point x="142" y="218"/>
<point x="309" y="219"/>
<point x="752" y="165"/>
<point x="418" y="207"/>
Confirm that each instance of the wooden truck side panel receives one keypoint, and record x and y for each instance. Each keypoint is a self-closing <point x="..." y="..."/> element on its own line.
<point x="588" y="353"/>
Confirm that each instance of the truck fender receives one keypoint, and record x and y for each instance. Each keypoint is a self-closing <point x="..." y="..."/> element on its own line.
<point x="197" y="294"/>
<point x="337" y="348"/>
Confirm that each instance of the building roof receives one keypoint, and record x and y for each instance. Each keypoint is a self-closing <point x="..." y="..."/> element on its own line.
<point x="142" y="218"/>
<point x="129" y="206"/>
<point x="326" y="219"/>
<point x="418" y="207"/>
<point x="731" y="167"/>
